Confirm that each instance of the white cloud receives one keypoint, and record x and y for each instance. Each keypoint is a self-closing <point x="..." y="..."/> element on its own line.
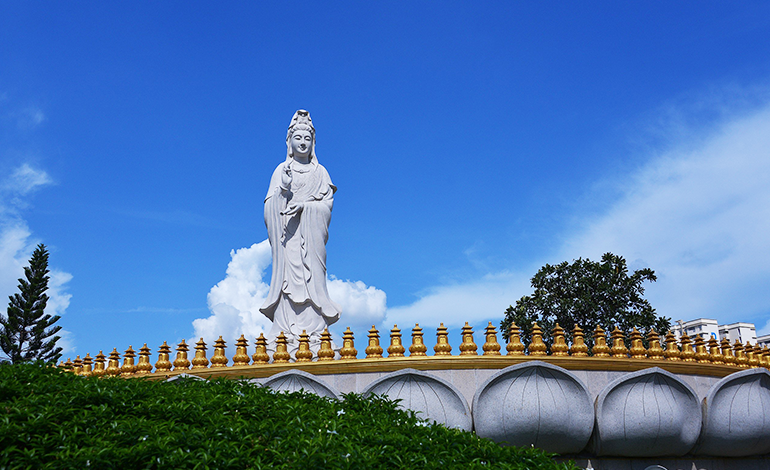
<point x="235" y="301"/>
<point x="698" y="217"/>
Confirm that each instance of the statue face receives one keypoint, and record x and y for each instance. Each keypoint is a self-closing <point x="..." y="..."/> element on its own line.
<point x="301" y="143"/>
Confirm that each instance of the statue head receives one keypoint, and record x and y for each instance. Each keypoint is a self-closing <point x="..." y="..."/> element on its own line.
<point x="301" y="121"/>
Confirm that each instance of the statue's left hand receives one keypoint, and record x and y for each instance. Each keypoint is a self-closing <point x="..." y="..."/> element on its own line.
<point x="294" y="208"/>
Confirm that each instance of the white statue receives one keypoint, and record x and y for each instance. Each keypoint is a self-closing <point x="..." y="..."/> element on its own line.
<point x="298" y="209"/>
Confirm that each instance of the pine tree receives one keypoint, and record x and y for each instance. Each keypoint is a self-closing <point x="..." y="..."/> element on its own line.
<point x="25" y="332"/>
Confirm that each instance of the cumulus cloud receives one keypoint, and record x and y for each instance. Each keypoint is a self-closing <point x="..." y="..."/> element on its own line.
<point x="698" y="214"/>
<point x="235" y="301"/>
<point x="17" y="243"/>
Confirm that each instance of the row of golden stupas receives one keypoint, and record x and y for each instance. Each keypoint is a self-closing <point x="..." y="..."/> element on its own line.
<point x="684" y="349"/>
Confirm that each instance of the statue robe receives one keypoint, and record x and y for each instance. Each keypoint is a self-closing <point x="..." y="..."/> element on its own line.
<point x="298" y="298"/>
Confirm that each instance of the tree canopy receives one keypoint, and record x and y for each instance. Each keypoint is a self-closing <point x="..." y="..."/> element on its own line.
<point x="588" y="294"/>
<point x="27" y="332"/>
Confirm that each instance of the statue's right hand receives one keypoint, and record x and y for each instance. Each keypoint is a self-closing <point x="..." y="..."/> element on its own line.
<point x="286" y="178"/>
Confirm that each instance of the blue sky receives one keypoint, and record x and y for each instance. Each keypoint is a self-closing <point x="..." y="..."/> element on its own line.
<point x="471" y="143"/>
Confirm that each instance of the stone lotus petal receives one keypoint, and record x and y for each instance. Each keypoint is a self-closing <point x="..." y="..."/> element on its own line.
<point x="296" y="380"/>
<point x="432" y="397"/>
<point x="535" y="403"/>
<point x="736" y="420"/>
<point x="648" y="413"/>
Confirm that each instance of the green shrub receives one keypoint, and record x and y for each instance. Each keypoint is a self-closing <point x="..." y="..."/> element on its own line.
<point x="51" y="419"/>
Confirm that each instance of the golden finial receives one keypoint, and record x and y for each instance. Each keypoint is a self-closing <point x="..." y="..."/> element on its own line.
<point x="199" y="361"/>
<point x="164" y="353"/>
<point x="654" y="351"/>
<point x="701" y="355"/>
<point x="113" y="363"/>
<point x="727" y="353"/>
<point x="491" y="347"/>
<point x="219" y="359"/>
<point x="396" y="349"/>
<point x="618" y="349"/>
<point x="672" y="349"/>
<point x="87" y="361"/>
<point x="600" y="348"/>
<point x="77" y="365"/>
<point x="764" y="361"/>
<point x="326" y="353"/>
<point x="144" y="366"/>
<point x="241" y="357"/>
<point x="687" y="354"/>
<point x="751" y="355"/>
<point x="579" y="347"/>
<point x="99" y="365"/>
<point x="281" y="354"/>
<point x="260" y="355"/>
<point x="374" y="350"/>
<point x="468" y="347"/>
<point x="740" y="358"/>
<point x="515" y="347"/>
<point x="304" y="354"/>
<point x="418" y="347"/>
<point x="181" y="361"/>
<point x="637" y="346"/>
<point x="348" y="350"/>
<point x="68" y="365"/>
<point x="715" y="354"/>
<point x="128" y="367"/>
<point x="442" y="347"/>
<point x="60" y="365"/>
<point x="559" y="346"/>
<point x="537" y="347"/>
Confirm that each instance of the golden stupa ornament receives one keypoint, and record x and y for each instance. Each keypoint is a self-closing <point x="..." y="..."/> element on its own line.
<point x="113" y="363"/>
<point x="600" y="348"/>
<point x="260" y="355"/>
<point x="348" y="349"/>
<point x="442" y="347"/>
<point x="77" y="365"/>
<point x="537" y="347"/>
<point x="326" y="353"/>
<point x="164" y="362"/>
<point x="515" y="347"/>
<point x="241" y="356"/>
<point x="281" y="354"/>
<point x="374" y="350"/>
<point x="396" y="349"/>
<point x="715" y="354"/>
<point x="144" y="367"/>
<point x="579" y="348"/>
<point x="672" y="349"/>
<point x="491" y="347"/>
<point x="304" y="354"/>
<point x="99" y="364"/>
<point x="468" y="347"/>
<point x="637" y="349"/>
<point x="701" y="354"/>
<point x="200" y="361"/>
<point x="727" y="353"/>
<point x="418" y="347"/>
<point x="181" y="361"/>
<point x="740" y="357"/>
<point x="559" y="346"/>
<point x="618" y="349"/>
<point x="654" y="351"/>
<point x="219" y="359"/>
<point x="87" y="371"/>
<point x="687" y="354"/>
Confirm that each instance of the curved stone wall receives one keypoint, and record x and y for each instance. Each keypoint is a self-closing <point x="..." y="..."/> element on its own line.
<point x="736" y="416"/>
<point x="434" y="399"/>
<point x="648" y="413"/>
<point x="297" y="380"/>
<point x="535" y="403"/>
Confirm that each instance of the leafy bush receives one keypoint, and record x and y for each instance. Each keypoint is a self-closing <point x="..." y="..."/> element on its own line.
<point x="51" y="419"/>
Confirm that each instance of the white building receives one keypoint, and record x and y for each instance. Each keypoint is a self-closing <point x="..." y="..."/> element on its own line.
<point x="708" y="328"/>
<point x="764" y="340"/>
<point x="743" y="332"/>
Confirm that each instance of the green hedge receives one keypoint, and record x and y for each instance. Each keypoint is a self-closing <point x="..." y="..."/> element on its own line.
<point x="51" y="419"/>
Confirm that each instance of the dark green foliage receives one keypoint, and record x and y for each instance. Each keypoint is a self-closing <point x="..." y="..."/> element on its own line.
<point x="26" y="333"/>
<point x="589" y="294"/>
<point x="52" y="419"/>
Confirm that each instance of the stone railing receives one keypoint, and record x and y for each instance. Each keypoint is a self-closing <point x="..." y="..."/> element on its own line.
<point x="711" y="358"/>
